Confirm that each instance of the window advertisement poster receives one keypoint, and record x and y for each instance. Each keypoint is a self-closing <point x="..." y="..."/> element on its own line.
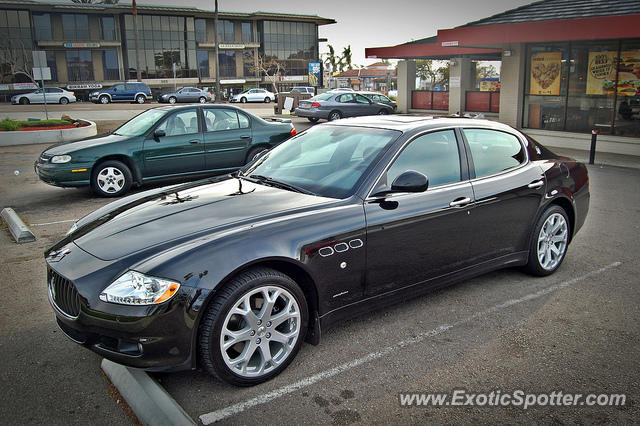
<point x="629" y="73"/>
<point x="601" y="77"/>
<point x="545" y="73"/>
<point x="314" y="73"/>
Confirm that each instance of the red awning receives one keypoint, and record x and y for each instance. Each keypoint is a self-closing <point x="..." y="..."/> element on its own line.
<point x="418" y="50"/>
<point x="596" y="28"/>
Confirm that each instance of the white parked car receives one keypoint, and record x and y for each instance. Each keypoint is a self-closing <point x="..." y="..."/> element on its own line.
<point x="254" y="95"/>
<point x="54" y="96"/>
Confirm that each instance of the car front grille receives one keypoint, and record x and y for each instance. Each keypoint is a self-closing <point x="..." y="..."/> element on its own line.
<point x="64" y="294"/>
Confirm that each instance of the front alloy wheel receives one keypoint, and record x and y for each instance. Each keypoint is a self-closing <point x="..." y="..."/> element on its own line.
<point x="172" y="100"/>
<point x="111" y="179"/>
<point x="549" y="242"/>
<point x="254" y="328"/>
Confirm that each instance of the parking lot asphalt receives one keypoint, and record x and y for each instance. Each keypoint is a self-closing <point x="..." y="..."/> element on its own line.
<point x="575" y="331"/>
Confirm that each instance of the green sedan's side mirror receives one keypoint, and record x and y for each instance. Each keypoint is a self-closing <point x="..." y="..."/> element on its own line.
<point x="159" y="134"/>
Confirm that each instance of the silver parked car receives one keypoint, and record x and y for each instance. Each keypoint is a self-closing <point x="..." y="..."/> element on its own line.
<point x="336" y="105"/>
<point x="54" y="95"/>
<point x="254" y="95"/>
<point x="186" y="94"/>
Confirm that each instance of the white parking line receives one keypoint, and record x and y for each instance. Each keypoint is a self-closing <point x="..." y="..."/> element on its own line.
<point x="54" y="223"/>
<point x="238" y="408"/>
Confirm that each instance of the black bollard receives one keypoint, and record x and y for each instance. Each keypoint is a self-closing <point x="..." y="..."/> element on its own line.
<point x="592" y="151"/>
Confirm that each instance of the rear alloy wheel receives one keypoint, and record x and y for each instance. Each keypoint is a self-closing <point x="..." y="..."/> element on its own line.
<point x="172" y="100"/>
<point x="243" y="100"/>
<point x="64" y="101"/>
<point x="549" y="242"/>
<point x="335" y="115"/>
<point x="140" y="99"/>
<point x="111" y="179"/>
<point x="202" y="99"/>
<point x="267" y="100"/>
<point x="312" y="119"/>
<point x="24" y="101"/>
<point x="383" y="112"/>
<point x="253" y="328"/>
<point x="104" y="99"/>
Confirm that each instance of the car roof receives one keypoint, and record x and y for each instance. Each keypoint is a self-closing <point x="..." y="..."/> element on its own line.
<point x="178" y="107"/>
<point x="406" y="123"/>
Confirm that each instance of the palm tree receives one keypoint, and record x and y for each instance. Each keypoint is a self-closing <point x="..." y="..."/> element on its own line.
<point x="346" y="57"/>
<point x="332" y="58"/>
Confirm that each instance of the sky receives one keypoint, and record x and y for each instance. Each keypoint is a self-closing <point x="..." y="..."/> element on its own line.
<point x="366" y="23"/>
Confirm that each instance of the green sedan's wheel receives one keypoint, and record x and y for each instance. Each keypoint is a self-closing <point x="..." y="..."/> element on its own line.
<point x="253" y="328"/>
<point x="111" y="179"/>
<point x="172" y="100"/>
<point x="383" y="112"/>
<point x="255" y="152"/>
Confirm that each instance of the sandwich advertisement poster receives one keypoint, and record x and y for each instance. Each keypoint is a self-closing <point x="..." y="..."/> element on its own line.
<point x="601" y="77"/>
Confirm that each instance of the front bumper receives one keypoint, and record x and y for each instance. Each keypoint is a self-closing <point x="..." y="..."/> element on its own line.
<point x="63" y="175"/>
<point x="155" y="337"/>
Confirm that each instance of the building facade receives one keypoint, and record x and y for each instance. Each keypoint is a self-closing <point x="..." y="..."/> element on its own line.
<point x="566" y="69"/>
<point x="93" y="45"/>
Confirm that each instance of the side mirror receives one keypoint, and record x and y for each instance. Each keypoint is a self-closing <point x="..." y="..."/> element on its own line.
<point x="159" y="134"/>
<point x="410" y="181"/>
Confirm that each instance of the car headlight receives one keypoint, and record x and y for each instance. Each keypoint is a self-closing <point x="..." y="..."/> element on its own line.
<point x="60" y="159"/>
<point x="134" y="288"/>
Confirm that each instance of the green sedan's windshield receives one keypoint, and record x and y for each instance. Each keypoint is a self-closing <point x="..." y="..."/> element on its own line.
<point x="326" y="160"/>
<point x="139" y="124"/>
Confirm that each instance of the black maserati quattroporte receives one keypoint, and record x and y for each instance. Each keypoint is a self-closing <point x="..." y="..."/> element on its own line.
<point x="234" y="272"/>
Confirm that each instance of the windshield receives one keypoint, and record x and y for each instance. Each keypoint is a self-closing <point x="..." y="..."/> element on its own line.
<point x="329" y="161"/>
<point x="139" y="124"/>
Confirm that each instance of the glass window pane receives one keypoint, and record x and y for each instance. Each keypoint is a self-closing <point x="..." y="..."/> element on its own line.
<point x="493" y="151"/>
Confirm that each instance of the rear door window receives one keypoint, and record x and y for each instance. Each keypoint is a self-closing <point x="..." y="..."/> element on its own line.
<point x="493" y="151"/>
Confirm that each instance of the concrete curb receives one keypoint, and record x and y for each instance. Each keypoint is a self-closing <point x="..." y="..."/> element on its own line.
<point x="148" y="400"/>
<point x="21" y="232"/>
<point x="33" y="137"/>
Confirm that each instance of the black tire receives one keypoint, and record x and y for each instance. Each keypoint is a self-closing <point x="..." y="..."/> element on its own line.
<point x="104" y="99"/>
<point x="24" y="101"/>
<point x="255" y="151"/>
<point x="111" y="178"/>
<point x="172" y="100"/>
<point x="243" y="100"/>
<point x="534" y="265"/>
<point x="202" y="100"/>
<point x="141" y="99"/>
<point x="63" y="101"/>
<point x="212" y="355"/>
<point x="267" y="100"/>
<point x="313" y="119"/>
<point x="335" y="115"/>
<point x="383" y="112"/>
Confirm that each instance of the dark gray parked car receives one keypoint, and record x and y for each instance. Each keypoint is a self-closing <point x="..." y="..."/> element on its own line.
<point x="379" y="97"/>
<point x="185" y="94"/>
<point x="336" y="105"/>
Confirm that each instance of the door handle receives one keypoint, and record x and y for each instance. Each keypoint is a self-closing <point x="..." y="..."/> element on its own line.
<point x="460" y="202"/>
<point x="245" y="137"/>
<point x="194" y="141"/>
<point x="537" y="184"/>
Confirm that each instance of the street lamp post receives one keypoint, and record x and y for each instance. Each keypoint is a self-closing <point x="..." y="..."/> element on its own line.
<point x="215" y="30"/>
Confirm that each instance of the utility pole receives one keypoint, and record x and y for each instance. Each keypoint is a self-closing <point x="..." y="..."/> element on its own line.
<point x="135" y="29"/>
<point x="215" y="30"/>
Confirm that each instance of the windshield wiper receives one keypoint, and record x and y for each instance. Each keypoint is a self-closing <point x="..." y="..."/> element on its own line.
<point x="278" y="184"/>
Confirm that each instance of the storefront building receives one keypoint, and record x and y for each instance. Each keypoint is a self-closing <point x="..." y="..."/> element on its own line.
<point x="93" y="45"/>
<point x="567" y="69"/>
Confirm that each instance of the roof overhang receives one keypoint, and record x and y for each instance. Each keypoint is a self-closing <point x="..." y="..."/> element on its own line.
<point x="432" y="50"/>
<point x="501" y="35"/>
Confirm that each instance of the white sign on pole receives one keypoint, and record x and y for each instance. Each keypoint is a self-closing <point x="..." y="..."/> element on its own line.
<point x="454" y="81"/>
<point x="39" y="59"/>
<point x="42" y="73"/>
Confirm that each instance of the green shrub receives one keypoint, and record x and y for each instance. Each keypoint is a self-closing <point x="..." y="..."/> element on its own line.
<point x="9" y="125"/>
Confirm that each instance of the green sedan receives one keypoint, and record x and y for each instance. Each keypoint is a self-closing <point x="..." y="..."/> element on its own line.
<point x="164" y="142"/>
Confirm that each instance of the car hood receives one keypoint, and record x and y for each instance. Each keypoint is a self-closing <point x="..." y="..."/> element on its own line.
<point x="164" y="218"/>
<point x="67" y="147"/>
